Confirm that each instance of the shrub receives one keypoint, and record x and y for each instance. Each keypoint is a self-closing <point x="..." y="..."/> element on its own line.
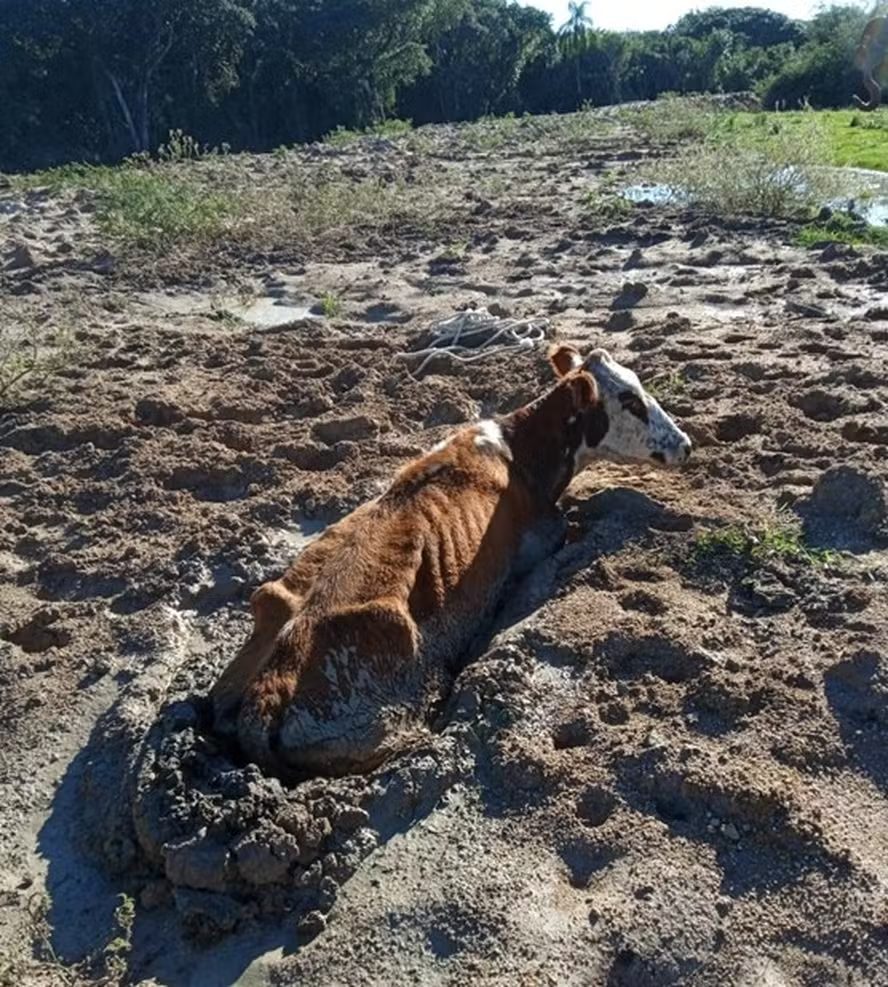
<point x="765" y="170"/>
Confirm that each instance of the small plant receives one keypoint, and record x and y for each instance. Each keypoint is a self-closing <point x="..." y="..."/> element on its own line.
<point x="670" y="385"/>
<point x="842" y="229"/>
<point x="116" y="953"/>
<point x="331" y="305"/>
<point x="454" y="252"/>
<point x="27" y="359"/>
<point x="489" y="133"/>
<point x="606" y="205"/>
<point x="674" y="118"/>
<point x="781" y="538"/>
<point x="180" y="146"/>
<point x="343" y="137"/>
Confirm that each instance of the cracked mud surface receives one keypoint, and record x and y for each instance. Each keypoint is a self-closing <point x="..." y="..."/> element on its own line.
<point x="665" y="767"/>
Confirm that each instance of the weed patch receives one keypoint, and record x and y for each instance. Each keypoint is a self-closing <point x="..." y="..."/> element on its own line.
<point x="28" y="358"/>
<point x="331" y="305"/>
<point x="780" y="539"/>
<point x="762" y="171"/>
<point x="343" y="137"/>
<point x="842" y="229"/>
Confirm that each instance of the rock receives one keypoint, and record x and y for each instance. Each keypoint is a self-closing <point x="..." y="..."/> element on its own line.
<point x="730" y="831"/>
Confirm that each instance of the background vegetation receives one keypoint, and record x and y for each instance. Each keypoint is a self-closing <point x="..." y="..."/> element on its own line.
<point x="97" y="80"/>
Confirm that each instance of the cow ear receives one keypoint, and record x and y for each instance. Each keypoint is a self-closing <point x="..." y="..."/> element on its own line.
<point x="584" y="391"/>
<point x="564" y="359"/>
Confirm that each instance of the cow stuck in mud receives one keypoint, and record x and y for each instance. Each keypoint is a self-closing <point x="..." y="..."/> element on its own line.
<point x="354" y="645"/>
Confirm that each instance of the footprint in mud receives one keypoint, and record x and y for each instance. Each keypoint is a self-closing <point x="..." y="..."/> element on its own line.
<point x="215" y="484"/>
<point x="644" y="602"/>
<point x="385" y="312"/>
<point x="716" y="707"/>
<point x="353" y="429"/>
<point x="857" y="692"/>
<point x="826" y="406"/>
<point x="315" y="458"/>
<point x="733" y="428"/>
<point x="595" y="806"/>
<point x="39" y="633"/>
<point x="865" y="432"/>
<point x="627" y="657"/>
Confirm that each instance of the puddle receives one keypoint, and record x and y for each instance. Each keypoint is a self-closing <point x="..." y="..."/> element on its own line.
<point x="269" y="313"/>
<point x="11" y="208"/>
<point x="865" y="194"/>
<point x="265" y="312"/>
<point x="292" y="541"/>
<point x="658" y="195"/>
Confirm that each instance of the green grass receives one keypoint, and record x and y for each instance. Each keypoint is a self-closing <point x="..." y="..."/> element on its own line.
<point x="331" y="305"/>
<point x="842" y="229"/>
<point x="762" y="170"/>
<point x="671" y="385"/>
<point x="850" y="138"/>
<point x="781" y="538"/>
<point x="342" y="136"/>
<point x="144" y="205"/>
<point x="28" y="358"/>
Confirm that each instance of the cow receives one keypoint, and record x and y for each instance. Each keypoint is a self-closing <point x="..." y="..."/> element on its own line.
<point x="353" y="647"/>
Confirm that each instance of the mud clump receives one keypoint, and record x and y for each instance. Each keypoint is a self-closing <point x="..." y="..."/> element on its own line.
<point x="846" y="503"/>
<point x="234" y="845"/>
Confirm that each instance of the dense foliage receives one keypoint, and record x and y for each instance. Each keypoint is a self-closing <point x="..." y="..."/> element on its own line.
<point x="100" y="79"/>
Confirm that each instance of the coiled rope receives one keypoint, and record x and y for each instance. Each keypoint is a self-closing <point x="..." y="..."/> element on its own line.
<point x="475" y="335"/>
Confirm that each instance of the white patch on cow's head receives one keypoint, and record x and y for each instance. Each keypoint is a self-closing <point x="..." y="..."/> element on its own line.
<point x="490" y="437"/>
<point x="637" y="428"/>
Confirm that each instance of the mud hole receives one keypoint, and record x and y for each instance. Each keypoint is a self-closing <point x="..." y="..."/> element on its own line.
<point x="662" y="768"/>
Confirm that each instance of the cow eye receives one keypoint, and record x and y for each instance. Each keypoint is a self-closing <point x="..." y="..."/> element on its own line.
<point x="634" y="405"/>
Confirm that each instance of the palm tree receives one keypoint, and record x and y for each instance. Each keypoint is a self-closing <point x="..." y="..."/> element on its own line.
<point x="578" y="21"/>
<point x="573" y="34"/>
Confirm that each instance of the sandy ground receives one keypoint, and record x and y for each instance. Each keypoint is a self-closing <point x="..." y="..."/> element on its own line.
<point x="667" y="766"/>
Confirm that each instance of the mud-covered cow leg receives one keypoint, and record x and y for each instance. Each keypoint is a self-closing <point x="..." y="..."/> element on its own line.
<point x="272" y="605"/>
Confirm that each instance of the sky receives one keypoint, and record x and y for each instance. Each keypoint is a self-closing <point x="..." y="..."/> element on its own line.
<point x="648" y="15"/>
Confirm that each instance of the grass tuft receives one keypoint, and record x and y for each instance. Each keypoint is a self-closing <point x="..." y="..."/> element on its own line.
<point x="28" y="358"/>
<point x="343" y="137"/>
<point x="780" y="539"/>
<point x="331" y="305"/>
<point x="842" y="229"/>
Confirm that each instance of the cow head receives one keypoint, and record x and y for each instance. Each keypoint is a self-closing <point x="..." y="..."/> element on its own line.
<point x="626" y="423"/>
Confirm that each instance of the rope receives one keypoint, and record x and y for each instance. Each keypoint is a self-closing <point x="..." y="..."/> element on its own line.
<point x="474" y="334"/>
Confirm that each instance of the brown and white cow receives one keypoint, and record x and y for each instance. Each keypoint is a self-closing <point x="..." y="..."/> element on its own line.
<point x="356" y="642"/>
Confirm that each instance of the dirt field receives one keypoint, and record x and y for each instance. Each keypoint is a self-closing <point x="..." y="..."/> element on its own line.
<point x="670" y="763"/>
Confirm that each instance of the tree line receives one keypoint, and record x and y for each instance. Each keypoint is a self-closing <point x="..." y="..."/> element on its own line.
<point x="96" y="80"/>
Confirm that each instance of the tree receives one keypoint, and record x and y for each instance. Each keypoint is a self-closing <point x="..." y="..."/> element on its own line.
<point x="479" y="63"/>
<point x="578" y="21"/>
<point x="756" y="26"/>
